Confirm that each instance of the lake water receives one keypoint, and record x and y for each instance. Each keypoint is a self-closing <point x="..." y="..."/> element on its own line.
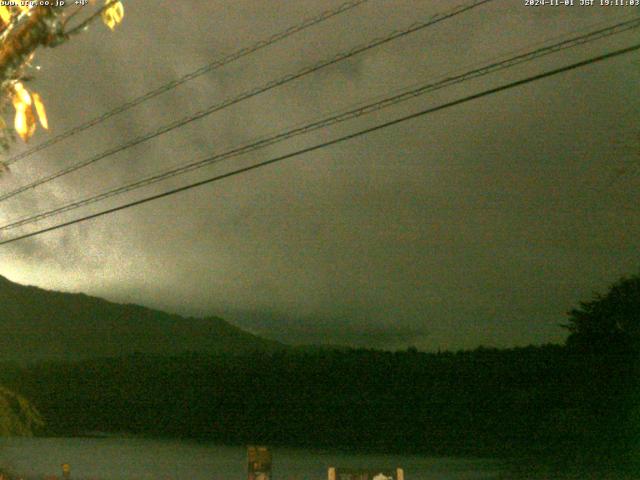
<point x="142" y="459"/>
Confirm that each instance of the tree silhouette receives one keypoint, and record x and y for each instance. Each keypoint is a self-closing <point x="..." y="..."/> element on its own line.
<point x="610" y="322"/>
<point x="605" y="338"/>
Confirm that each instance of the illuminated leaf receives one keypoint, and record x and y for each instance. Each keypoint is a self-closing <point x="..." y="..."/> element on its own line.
<point x="21" y="94"/>
<point x="113" y="15"/>
<point x="40" y="110"/>
<point x="25" y="121"/>
<point x="5" y="15"/>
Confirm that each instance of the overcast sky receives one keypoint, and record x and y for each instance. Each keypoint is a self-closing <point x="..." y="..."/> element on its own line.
<point x="480" y="224"/>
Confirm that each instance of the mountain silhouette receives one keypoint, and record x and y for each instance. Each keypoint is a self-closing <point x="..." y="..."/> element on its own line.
<point x="37" y="324"/>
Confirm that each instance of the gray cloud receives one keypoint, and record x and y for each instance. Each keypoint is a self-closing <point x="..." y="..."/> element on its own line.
<point x="481" y="224"/>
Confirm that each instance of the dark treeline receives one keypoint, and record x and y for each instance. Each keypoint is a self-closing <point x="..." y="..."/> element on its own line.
<point x="535" y="399"/>
<point x="578" y="399"/>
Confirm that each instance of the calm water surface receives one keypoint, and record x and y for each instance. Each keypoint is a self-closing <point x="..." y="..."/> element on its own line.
<point x="140" y="459"/>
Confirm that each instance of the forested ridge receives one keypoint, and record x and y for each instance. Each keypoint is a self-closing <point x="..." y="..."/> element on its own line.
<point x="37" y="324"/>
<point x="526" y="399"/>
<point x="582" y="398"/>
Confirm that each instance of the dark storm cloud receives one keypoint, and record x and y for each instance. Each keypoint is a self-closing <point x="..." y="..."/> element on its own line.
<point x="482" y="224"/>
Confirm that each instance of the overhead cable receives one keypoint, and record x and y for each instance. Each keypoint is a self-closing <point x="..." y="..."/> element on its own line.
<point x="243" y="52"/>
<point x="246" y="95"/>
<point x="335" y="141"/>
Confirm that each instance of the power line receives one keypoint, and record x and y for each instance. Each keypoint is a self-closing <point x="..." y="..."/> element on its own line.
<point x="334" y="119"/>
<point x="334" y="141"/>
<point x="307" y="23"/>
<point x="592" y="36"/>
<point x="249" y="94"/>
